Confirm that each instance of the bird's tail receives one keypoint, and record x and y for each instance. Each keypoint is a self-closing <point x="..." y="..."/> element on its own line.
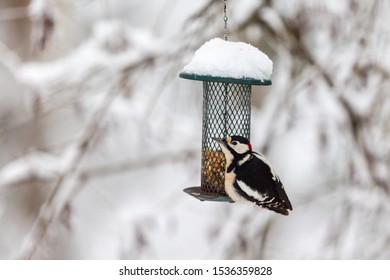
<point x="278" y="210"/>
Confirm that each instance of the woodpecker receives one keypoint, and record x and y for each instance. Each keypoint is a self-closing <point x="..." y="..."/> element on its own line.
<point x="250" y="178"/>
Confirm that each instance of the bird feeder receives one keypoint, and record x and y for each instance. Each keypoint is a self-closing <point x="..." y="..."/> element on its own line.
<point x="228" y="71"/>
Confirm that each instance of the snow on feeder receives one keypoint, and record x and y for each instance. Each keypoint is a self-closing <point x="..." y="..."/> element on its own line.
<point x="228" y="71"/>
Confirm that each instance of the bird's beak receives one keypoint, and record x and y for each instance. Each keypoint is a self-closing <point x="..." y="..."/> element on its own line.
<point x="220" y="141"/>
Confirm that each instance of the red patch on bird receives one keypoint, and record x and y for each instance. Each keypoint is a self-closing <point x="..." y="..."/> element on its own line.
<point x="250" y="147"/>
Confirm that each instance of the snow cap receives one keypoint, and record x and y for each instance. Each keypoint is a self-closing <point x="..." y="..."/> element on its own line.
<point x="235" y="61"/>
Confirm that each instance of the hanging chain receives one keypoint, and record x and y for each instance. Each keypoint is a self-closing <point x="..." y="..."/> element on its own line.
<point x="226" y="85"/>
<point x="225" y="18"/>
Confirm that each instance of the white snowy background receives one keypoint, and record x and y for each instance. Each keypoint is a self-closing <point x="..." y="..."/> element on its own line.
<point x="98" y="135"/>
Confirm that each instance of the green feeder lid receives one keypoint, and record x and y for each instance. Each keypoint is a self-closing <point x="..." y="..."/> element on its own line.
<point x="229" y="62"/>
<point x="243" y="80"/>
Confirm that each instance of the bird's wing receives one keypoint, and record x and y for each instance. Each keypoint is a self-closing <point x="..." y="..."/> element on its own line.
<point x="264" y="179"/>
<point x="250" y="195"/>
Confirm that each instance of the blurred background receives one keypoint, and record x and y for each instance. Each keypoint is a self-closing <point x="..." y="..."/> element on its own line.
<point x="98" y="135"/>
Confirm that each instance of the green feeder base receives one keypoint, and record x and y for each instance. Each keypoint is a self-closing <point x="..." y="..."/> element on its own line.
<point x="195" y="192"/>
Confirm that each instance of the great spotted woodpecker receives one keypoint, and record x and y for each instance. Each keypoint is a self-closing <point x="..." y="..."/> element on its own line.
<point x="250" y="178"/>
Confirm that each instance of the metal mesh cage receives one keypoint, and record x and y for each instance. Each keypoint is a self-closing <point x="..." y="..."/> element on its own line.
<point x="226" y="111"/>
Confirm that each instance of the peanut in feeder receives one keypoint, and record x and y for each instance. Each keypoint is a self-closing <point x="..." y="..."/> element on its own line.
<point x="228" y="71"/>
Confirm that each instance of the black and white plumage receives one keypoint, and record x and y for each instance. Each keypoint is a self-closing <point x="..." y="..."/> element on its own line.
<point x="250" y="178"/>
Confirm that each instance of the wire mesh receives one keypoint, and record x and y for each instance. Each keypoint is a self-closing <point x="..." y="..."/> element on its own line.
<point x="226" y="111"/>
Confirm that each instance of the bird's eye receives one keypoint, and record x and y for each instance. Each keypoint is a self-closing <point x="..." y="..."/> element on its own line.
<point x="234" y="143"/>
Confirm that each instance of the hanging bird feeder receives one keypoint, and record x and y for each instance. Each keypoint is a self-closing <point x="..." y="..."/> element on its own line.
<point x="228" y="70"/>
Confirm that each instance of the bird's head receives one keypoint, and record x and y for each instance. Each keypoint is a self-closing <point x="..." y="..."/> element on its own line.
<point x="234" y="147"/>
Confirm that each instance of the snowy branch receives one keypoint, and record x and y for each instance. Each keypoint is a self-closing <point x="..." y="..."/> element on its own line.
<point x="59" y="196"/>
<point x="135" y="164"/>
